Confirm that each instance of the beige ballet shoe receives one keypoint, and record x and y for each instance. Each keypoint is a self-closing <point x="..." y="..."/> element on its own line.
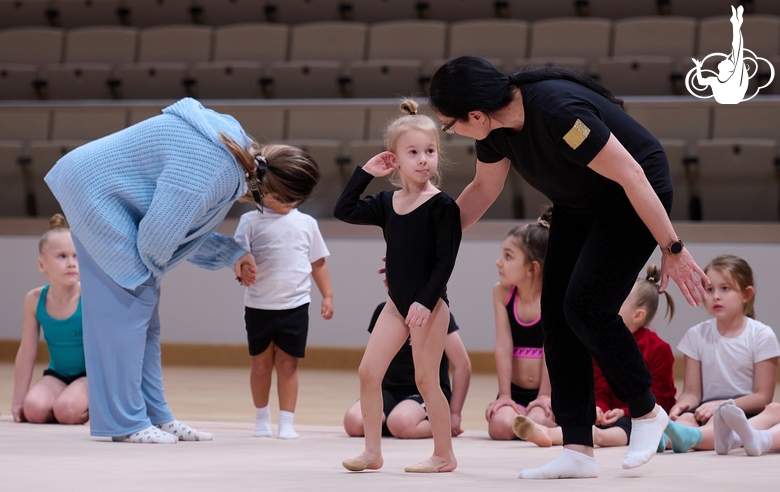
<point x="427" y="466"/>
<point x="359" y="464"/>
<point x="523" y="427"/>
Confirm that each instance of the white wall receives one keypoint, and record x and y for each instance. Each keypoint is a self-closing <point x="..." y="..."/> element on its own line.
<point x="200" y="306"/>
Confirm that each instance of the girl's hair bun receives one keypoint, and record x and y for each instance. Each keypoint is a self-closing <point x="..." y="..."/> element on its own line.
<point x="58" y="221"/>
<point x="409" y="107"/>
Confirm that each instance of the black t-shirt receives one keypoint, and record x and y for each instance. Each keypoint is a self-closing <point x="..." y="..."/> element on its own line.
<point x="566" y="125"/>
<point x="399" y="378"/>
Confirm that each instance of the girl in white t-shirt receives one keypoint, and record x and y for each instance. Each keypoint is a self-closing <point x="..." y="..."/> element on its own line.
<point x="731" y="356"/>
<point x="289" y="250"/>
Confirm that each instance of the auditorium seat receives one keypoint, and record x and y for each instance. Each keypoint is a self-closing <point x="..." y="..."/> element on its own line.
<point x="146" y="13"/>
<point x="334" y="41"/>
<point x="81" y="13"/>
<point x="264" y="124"/>
<point x="86" y="123"/>
<point x="571" y="37"/>
<point x="101" y="44"/>
<point x="12" y="186"/>
<point x="251" y="42"/>
<point x="227" y="80"/>
<point x="504" y="39"/>
<point x="737" y="179"/>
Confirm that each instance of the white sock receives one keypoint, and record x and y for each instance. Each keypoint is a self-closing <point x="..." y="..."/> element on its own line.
<point x="570" y="464"/>
<point x="185" y="432"/>
<point x="726" y="439"/>
<point x="286" y="430"/>
<point x="262" y="422"/>
<point x="645" y="436"/>
<point x="756" y="442"/>
<point x="150" y="435"/>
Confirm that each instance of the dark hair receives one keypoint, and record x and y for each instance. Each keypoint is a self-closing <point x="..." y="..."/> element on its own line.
<point x="57" y="223"/>
<point x="647" y="294"/>
<point x="291" y="175"/>
<point x="469" y="83"/>
<point x="740" y="273"/>
<point x="531" y="239"/>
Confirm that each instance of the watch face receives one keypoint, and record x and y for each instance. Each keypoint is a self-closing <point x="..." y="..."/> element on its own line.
<point x="676" y="248"/>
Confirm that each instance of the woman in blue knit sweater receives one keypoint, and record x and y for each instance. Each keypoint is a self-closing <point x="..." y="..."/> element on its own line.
<point x="141" y="201"/>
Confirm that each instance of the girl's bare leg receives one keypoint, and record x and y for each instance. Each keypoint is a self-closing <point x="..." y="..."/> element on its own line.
<point x="260" y="377"/>
<point x="286" y="379"/>
<point x="72" y="406"/>
<point x="427" y="349"/>
<point x="500" y="425"/>
<point x="38" y="405"/>
<point x="390" y="333"/>
<point x="407" y="421"/>
<point x="260" y="383"/>
<point x="353" y="421"/>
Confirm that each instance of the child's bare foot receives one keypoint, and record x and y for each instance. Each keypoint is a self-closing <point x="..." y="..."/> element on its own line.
<point x="361" y="462"/>
<point x="434" y="464"/>
<point x="526" y="429"/>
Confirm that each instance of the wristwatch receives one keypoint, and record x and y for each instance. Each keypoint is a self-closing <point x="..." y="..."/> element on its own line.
<point x="675" y="247"/>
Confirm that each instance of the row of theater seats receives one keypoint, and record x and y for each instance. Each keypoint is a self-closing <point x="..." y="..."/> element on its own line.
<point x="145" y="13"/>
<point x="641" y="56"/>
<point x="719" y="155"/>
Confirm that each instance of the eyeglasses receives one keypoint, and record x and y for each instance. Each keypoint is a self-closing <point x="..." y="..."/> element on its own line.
<point x="448" y="127"/>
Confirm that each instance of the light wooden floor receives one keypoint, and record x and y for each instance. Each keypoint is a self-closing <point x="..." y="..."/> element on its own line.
<point x="222" y="394"/>
<point x="66" y="458"/>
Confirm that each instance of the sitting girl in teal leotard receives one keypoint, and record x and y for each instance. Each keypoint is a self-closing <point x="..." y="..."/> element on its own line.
<point x="61" y="394"/>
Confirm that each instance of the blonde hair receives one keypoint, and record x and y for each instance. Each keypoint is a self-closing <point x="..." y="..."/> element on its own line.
<point x="57" y="223"/>
<point x="647" y="295"/>
<point x="291" y="176"/>
<point x="411" y="121"/>
<point x="740" y="275"/>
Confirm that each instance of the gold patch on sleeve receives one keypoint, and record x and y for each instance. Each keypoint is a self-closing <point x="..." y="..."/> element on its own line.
<point x="578" y="133"/>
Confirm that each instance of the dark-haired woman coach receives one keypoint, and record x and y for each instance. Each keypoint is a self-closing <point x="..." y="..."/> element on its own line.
<point x="609" y="181"/>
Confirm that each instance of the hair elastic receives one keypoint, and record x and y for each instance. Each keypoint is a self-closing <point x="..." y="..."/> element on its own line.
<point x="541" y="222"/>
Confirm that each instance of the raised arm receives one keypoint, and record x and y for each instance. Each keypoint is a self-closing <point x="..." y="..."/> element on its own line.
<point x="480" y="194"/>
<point x="25" y="356"/>
<point x="461" y="378"/>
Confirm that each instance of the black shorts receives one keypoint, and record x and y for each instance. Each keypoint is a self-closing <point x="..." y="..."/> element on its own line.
<point x="287" y="328"/>
<point x="390" y="400"/>
<point x="65" y="379"/>
<point x="523" y="396"/>
<point x="624" y="423"/>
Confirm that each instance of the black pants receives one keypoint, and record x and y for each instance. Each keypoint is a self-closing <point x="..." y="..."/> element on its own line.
<point x="591" y="265"/>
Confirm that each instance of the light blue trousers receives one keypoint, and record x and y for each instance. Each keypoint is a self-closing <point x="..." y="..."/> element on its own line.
<point x="122" y="351"/>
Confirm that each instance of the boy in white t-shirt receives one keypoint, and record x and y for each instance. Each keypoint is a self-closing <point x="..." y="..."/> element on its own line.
<point x="731" y="356"/>
<point x="289" y="251"/>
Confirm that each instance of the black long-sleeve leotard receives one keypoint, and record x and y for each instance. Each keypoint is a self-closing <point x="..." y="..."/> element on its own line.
<point x="421" y="245"/>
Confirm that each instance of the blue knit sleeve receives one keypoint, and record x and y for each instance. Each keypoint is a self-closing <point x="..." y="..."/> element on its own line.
<point x="217" y="252"/>
<point x="165" y="226"/>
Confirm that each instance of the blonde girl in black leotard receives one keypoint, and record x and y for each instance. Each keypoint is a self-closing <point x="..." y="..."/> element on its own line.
<point x="421" y="226"/>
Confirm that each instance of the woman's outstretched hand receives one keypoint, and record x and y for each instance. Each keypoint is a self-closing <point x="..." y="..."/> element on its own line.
<point x="380" y="165"/>
<point x="683" y="270"/>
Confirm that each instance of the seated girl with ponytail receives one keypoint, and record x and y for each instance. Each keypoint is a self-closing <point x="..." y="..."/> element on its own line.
<point x="61" y="394"/>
